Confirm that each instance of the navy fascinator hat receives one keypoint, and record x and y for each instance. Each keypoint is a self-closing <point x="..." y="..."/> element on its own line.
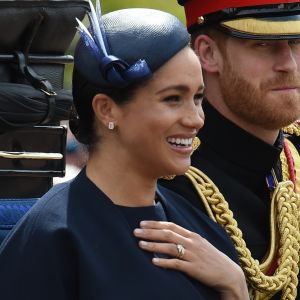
<point x="127" y="46"/>
<point x="119" y="50"/>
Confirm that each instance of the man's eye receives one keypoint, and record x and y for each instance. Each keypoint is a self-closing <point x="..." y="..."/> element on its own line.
<point x="261" y="44"/>
<point x="294" y="42"/>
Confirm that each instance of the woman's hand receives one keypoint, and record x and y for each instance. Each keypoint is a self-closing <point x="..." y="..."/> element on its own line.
<point x="198" y="258"/>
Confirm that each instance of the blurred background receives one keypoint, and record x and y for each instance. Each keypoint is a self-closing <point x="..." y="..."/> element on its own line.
<point x="76" y="153"/>
<point x="166" y="5"/>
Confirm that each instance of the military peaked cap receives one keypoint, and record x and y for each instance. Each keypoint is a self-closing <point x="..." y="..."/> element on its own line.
<point x="250" y="19"/>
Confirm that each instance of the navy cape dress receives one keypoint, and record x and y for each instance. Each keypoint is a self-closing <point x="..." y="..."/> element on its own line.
<point x="75" y="244"/>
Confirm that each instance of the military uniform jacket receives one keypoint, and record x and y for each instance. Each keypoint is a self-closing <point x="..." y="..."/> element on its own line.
<point x="75" y="244"/>
<point x="238" y="163"/>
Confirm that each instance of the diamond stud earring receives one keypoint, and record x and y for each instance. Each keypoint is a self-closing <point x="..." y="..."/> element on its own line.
<point x="111" y="125"/>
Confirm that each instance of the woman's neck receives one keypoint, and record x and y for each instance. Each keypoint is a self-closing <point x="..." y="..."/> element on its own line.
<point x="121" y="183"/>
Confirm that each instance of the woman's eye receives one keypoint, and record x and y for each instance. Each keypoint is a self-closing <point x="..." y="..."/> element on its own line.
<point x="172" y="99"/>
<point x="198" y="98"/>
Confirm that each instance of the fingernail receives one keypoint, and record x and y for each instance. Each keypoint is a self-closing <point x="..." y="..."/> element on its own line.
<point x="138" y="231"/>
<point x="143" y="243"/>
<point x="155" y="260"/>
<point x="143" y="223"/>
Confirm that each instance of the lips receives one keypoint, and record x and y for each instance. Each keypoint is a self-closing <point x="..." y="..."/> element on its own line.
<point x="284" y="88"/>
<point x="282" y="82"/>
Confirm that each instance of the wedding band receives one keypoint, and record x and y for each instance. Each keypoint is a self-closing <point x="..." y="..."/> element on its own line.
<point x="180" y="250"/>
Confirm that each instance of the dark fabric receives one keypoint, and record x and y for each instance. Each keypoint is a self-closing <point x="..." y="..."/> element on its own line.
<point x="75" y="244"/>
<point x="238" y="164"/>
<point x="55" y="21"/>
<point x="22" y="105"/>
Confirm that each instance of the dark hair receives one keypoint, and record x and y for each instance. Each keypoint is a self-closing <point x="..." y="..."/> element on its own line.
<point x="82" y="126"/>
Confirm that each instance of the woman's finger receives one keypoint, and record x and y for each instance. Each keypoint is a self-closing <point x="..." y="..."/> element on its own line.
<point x="160" y="235"/>
<point x="165" y="225"/>
<point x="173" y="263"/>
<point x="170" y="249"/>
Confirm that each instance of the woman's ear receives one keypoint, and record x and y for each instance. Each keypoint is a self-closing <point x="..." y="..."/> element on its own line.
<point x="208" y="53"/>
<point x="104" y="109"/>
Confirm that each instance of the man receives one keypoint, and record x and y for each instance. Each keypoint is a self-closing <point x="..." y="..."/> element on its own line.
<point x="242" y="173"/>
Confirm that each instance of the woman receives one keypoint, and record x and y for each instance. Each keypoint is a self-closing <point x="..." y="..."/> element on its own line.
<point x="111" y="233"/>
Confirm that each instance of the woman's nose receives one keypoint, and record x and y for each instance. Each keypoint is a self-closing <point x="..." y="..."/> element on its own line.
<point x="194" y="117"/>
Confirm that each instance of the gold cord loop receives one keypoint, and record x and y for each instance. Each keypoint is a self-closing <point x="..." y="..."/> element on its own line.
<point x="285" y="207"/>
<point x="293" y="129"/>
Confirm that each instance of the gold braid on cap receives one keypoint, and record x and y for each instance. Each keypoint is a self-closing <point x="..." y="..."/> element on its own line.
<point x="263" y="27"/>
<point x="285" y="235"/>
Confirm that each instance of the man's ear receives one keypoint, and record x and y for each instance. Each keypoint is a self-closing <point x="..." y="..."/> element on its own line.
<point x="208" y="53"/>
<point x="104" y="109"/>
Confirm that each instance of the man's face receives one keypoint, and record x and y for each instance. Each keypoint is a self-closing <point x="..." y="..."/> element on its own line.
<point x="260" y="81"/>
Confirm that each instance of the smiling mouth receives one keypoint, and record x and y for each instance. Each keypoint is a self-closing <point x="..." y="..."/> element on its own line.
<point x="180" y="142"/>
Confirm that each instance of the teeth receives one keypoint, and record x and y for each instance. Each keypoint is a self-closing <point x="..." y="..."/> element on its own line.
<point x="180" y="142"/>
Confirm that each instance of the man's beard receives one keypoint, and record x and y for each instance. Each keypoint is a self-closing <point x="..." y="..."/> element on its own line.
<point x="253" y="105"/>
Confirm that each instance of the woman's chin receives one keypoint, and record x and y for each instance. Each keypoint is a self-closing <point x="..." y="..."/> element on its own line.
<point x="177" y="171"/>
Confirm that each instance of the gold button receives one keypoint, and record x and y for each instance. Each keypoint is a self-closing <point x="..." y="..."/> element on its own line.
<point x="200" y="20"/>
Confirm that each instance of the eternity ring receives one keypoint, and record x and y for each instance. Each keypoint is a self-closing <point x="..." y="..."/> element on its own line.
<point x="180" y="250"/>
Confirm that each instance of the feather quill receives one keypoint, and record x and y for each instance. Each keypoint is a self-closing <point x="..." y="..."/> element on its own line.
<point x="99" y="16"/>
<point x="88" y="40"/>
<point x="98" y="10"/>
<point x="96" y="30"/>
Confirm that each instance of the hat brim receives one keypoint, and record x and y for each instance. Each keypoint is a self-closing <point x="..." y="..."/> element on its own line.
<point x="276" y="28"/>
